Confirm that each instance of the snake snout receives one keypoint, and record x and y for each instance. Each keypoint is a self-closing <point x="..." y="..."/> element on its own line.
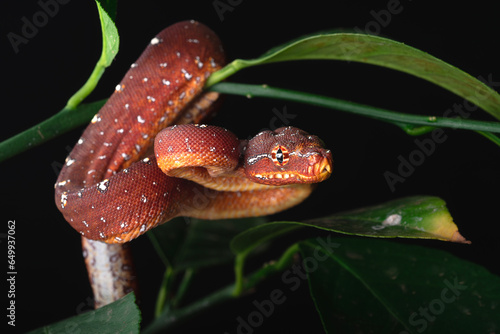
<point x="320" y="165"/>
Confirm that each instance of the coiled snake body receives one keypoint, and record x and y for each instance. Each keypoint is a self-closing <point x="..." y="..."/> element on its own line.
<point x="111" y="190"/>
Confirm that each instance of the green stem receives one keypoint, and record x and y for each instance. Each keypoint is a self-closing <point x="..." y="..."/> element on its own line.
<point x="62" y="122"/>
<point x="228" y="70"/>
<point x="171" y="317"/>
<point x="88" y="87"/>
<point x="181" y="291"/>
<point x="156" y="245"/>
<point x="355" y="108"/>
<point x="67" y="120"/>
<point x="110" y="43"/>
<point x="163" y="293"/>
<point x="415" y="130"/>
<point x="239" y="263"/>
<point x="286" y="259"/>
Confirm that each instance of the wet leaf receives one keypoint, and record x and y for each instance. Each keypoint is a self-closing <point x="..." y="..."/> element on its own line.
<point x="375" y="286"/>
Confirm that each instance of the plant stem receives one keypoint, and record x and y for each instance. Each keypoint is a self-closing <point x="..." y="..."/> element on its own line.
<point x="238" y="273"/>
<point x="163" y="293"/>
<point x="415" y="130"/>
<point x="181" y="291"/>
<point x="87" y="87"/>
<point x="169" y="317"/>
<point x="355" y="108"/>
<point x="62" y="122"/>
<point x="67" y="120"/>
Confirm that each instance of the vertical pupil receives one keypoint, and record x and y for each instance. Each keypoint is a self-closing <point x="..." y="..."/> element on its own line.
<point x="279" y="155"/>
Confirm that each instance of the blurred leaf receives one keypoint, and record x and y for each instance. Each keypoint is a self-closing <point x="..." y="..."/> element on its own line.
<point x="168" y="238"/>
<point x="121" y="316"/>
<point x="207" y="242"/>
<point x="379" y="51"/>
<point x="368" y="286"/>
<point x="199" y="243"/>
<point x="253" y="237"/>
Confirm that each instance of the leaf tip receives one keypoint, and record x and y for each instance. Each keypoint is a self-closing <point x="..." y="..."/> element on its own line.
<point x="457" y="237"/>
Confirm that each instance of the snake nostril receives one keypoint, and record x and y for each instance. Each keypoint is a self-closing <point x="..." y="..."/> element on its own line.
<point x="315" y="158"/>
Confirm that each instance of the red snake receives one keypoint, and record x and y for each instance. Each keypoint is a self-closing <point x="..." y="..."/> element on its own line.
<point x="111" y="189"/>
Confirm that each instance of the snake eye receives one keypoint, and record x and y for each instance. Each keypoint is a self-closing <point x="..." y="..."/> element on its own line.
<point x="280" y="155"/>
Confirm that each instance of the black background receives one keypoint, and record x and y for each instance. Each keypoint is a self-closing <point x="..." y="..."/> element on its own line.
<point x="38" y="79"/>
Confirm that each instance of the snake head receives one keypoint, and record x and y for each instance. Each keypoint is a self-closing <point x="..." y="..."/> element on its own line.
<point x="287" y="156"/>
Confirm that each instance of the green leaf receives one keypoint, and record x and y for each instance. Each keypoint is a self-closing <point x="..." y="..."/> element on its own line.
<point x="110" y="37"/>
<point x="377" y="51"/>
<point x="420" y="217"/>
<point x="371" y="286"/>
<point x="341" y="46"/>
<point x="121" y="316"/>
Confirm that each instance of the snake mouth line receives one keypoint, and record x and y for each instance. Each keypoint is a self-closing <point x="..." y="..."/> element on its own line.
<point x="314" y="173"/>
